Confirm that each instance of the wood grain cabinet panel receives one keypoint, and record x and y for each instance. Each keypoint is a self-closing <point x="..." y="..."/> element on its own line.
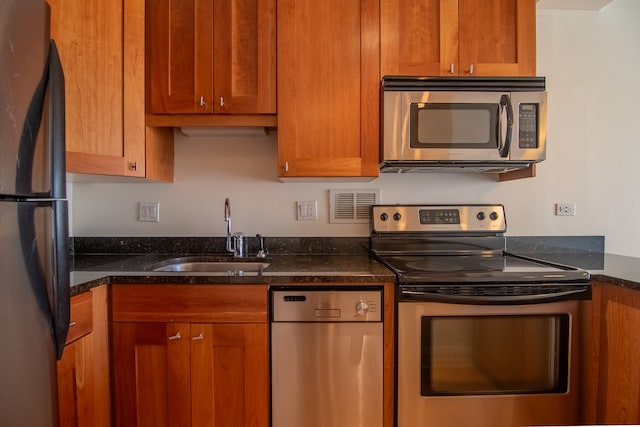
<point x="101" y="45"/>
<point x="190" y="373"/>
<point x="83" y="370"/>
<point x="612" y="372"/>
<point x="458" y="37"/>
<point x="211" y="57"/>
<point x="328" y="88"/>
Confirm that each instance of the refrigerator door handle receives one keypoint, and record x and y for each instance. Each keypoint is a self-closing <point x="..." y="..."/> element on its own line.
<point x="57" y="125"/>
<point x="61" y="279"/>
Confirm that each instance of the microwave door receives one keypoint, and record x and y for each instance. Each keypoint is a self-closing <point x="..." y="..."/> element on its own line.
<point x="452" y="126"/>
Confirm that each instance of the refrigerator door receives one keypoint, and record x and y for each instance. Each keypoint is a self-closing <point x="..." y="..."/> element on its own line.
<point x="34" y="309"/>
<point x="31" y="104"/>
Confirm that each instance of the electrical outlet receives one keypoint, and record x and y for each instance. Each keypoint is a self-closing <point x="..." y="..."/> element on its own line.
<point x="566" y="209"/>
<point x="149" y="212"/>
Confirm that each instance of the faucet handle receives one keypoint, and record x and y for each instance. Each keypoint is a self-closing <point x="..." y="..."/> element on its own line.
<point x="262" y="252"/>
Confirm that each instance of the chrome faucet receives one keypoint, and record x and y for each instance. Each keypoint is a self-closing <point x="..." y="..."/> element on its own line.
<point x="262" y="252"/>
<point x="235" y="241"/>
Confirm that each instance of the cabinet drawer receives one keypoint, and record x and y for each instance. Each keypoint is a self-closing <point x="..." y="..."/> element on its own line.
<point x="189" y="303"/>
<point x="81" y="321"/>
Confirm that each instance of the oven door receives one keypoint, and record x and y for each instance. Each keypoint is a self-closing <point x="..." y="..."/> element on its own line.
<point x="486" y="365"/>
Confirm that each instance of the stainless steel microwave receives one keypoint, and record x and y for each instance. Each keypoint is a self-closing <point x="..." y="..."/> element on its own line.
<point x="479" y="124"/>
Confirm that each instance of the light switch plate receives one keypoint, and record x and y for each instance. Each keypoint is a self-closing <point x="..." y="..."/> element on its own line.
<point x="149" y="212"/>
<point x="307" y="210"/>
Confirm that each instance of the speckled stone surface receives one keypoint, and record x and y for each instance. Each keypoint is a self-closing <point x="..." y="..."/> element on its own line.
<point x="97" y="260"/>
<point x="619" y="270"/>
<point x="216" y="245"/>
<point x="555" y="244"/>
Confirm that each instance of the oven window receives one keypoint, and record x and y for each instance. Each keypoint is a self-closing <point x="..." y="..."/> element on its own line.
<point x="454" y="125"/>
<point x="475" y="355"/>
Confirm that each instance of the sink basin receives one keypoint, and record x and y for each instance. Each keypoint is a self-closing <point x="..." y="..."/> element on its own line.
<point x="208" y="265"/>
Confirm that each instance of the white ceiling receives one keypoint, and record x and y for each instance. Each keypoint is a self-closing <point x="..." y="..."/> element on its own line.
<point x="572" y="4"/>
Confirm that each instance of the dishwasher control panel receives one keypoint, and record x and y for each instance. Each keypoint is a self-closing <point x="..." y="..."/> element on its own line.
<point x="330" y="305"/>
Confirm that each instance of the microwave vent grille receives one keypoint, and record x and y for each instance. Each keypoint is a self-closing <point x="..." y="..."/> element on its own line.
<point x="352" y="206"/>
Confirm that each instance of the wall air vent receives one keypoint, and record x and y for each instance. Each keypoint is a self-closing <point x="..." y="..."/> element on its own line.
<point x="352" y="206"/>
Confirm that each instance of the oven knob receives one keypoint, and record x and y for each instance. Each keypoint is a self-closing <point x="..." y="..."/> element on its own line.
<point x="493" y="215"/>
<point x="480" y="216"/>
<point x="384" y="217"/>
<point x="397" y="216"/>
<point x="362" y="308"/>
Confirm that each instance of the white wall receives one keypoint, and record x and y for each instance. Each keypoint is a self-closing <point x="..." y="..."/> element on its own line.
<point x="590" y="60"/>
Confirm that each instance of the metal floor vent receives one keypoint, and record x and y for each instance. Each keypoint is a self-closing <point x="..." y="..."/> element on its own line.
<point x="351" y="206"/>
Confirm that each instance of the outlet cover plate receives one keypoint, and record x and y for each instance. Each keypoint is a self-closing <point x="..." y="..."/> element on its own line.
<point x="566" y="209"/>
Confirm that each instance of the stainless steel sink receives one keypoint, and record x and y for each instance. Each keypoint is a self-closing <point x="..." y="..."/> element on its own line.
<point x="209" y="265"/>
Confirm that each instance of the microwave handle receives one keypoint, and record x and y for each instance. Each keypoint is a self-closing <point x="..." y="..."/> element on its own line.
<point x="505" y="104"/>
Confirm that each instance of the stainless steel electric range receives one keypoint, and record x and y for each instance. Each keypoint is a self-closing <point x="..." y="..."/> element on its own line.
<point x="456" y="253"/>
<point x="484" y="337"/>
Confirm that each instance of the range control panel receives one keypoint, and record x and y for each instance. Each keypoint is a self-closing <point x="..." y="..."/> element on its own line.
<point x="438" y="218"/>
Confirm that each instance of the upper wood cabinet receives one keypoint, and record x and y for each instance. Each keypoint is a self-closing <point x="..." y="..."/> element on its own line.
<point x="458" y="37"/>
<point x="101" y="45"/>
<point x="211" y="57"/>
<point x="328" y="88"/>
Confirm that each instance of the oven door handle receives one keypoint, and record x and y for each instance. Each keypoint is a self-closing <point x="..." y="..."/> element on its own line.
<point x="419" y="296"/>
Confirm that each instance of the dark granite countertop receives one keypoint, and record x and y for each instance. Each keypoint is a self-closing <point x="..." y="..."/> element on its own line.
<point x="94" y="270"/>
<point x="616" y="269"/>
<point x="100" y="261"/>
<point x="619" y="270"/>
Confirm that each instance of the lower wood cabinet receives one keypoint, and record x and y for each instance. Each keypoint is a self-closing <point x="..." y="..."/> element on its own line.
<point x="190" y="355"/>
<point x="611" y="369"/>
<point x="83" y="370"/>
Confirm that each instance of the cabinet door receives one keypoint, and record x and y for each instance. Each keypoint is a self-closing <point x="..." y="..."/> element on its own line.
<point x="211" y="57"/>
<point x="244" y="58"/>
<point x="83" y="371"/>
<point x="101" y="45"/>
<point x="497" y="37"/>
<point x="328" y="87"/>
<point x="419" y="37"/>
<point x="89" y="36"/>
<point x="615" y="349"/>
<point x="151" y="374"/>
<point x="180" y="56"/>
<point x="229" y="367"/>
<point x="75" y="384"/>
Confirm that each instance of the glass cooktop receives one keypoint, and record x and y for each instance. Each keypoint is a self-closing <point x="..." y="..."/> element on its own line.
<point x="483" y="268"/>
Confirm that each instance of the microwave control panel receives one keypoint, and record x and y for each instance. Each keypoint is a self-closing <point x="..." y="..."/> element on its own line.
<point x="528" y="125"/>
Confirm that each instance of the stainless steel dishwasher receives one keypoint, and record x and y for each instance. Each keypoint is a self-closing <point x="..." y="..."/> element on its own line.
<point x="326" y="357"/>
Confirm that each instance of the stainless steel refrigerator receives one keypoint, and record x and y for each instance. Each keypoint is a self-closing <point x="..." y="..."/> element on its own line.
<point x="34" y="273"/>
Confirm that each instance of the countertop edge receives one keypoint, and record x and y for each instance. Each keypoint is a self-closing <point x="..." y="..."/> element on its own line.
<point x="608" y="268"/>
